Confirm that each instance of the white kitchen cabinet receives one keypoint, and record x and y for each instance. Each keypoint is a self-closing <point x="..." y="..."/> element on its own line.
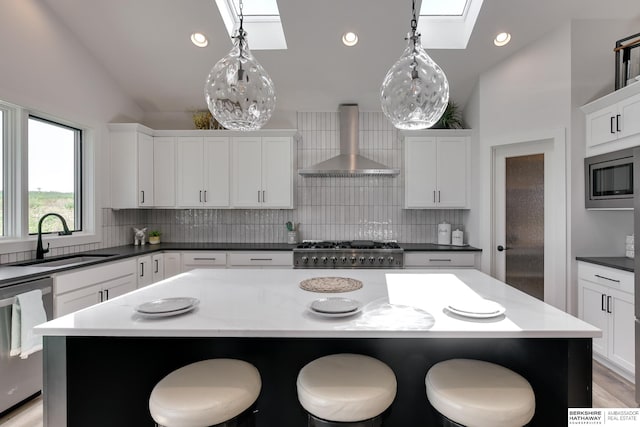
<point x="82" y="288"/>
<point x="172" y="263"/>
<point x="441" y="259"/>
<point x="262" y="172"/>
<point x="144" y="272"/>
<point x="613" y="121"/>
<point x="203" y="172"/>
<point x="261" y="259"/>
<point x="437" y="170"/>
<point x="605" y="300"/>
<point x="131" y="166"/>
<point x="201" y="259"/>
<point x="164" y="171"/>
<point x="157" y="267"/>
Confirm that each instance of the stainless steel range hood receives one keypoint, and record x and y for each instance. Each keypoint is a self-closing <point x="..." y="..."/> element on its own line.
<point x="348" y="163"/>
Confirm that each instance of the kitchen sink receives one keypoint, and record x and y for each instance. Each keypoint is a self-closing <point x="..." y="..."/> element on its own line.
<point x="63" y="261"/>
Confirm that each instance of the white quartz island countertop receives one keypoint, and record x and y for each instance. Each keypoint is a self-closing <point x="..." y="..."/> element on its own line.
<point x="270" y="303"/>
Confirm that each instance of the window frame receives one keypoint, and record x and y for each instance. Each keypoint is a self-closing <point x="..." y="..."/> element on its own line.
<point x="16" y="237"/>
<point x="78" y="172"/>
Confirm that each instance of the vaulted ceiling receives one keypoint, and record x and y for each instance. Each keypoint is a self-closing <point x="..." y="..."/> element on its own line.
<point x="145" y="45"/>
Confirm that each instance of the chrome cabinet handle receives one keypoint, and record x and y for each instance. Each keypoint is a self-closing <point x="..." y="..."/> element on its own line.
<point x="439" y="259"/>
<point x="106" y="294"/>
<point x="609" y="304"/>
<point x="438" y="196"/>
<point x="205" y="196"/>
<point x="602" y="302"/>
<point x="611" y="125"/>
<point x="142" y="196"/>
<point x="263" y="198"/>
<point x="141" y="269"/>
<point x="261" y="259"/>
<point x="618" y="123"/>
<point x="203" y="259"/>
<point x="200" y="196"/>
<point x="101" y="296"/>
<point x="157" y="266"/>
<point x="434" y="196"/>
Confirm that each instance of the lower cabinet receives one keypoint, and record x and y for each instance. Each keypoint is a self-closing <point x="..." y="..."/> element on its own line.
<point x="172" y="263"/>
<point x="442" y="259"/>
<point x="605" y="300"/>
<point x="193" y="260"/>
<point x="83" y="288"/>
<point x="260" y="259"/>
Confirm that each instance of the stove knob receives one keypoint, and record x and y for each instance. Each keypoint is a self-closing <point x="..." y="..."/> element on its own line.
<point x="324" y="259"/>
<point x="361" y="260"/>
<point x="390" y="259"/>
<point x="353" y="260"/>
<point x="305" y="260"/>
<point x="343" y="259"/>
<point x="334" y="259"/>
<point x="371" y="260"/>
<point x="314" y="259"/>
<point x="381" y="260"/>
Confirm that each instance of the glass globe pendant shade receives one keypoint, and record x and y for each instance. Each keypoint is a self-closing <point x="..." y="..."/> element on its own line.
<point x="415" y="92"/>
<point x="238" y="91"/>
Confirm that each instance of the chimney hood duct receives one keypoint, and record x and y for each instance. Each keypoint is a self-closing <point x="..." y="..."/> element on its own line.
<point x="348" y="163"/>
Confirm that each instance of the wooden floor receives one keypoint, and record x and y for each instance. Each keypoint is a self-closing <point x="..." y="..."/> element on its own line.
<point x="609" y="391"/>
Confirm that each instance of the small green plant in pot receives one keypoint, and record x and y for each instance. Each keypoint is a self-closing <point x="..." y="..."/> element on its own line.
<point x="451" y="118"/>
<point x="154" y="237"/>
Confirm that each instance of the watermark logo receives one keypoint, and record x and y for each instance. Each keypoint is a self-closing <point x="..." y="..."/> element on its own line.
<point x="610" y="417"/>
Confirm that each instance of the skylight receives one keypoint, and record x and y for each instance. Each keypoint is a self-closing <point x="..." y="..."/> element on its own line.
<point x="443" y="7"/>
<point x="447" y="24"/>
<point x="261" y="22"/>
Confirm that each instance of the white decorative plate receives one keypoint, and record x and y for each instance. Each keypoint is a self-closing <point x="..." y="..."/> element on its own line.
<point x="335" y="307"/>
<point x="477" y="308"/>
<point x="167" y="306"/>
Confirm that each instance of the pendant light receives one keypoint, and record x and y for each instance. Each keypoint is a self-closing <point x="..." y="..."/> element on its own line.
<point x="238" y="91"/>
<point x="415" y="92"/>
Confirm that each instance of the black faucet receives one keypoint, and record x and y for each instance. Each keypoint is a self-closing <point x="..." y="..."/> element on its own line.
<point x="39" y="249"/>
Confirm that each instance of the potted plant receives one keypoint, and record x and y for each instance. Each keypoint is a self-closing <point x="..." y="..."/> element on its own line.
<point x="451" y="118"/>
<point x="154" y="237"/>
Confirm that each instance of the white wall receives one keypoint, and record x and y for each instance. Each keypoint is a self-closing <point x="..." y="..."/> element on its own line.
<point x="47" y="70"/>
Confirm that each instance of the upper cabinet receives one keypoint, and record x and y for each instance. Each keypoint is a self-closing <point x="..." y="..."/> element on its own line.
<point x="262" y="172"/>
<point x="437" y="169"/>
<point x="200" y="169"/>
<point x="613" y="121"/>
<point x="131" y="166"/>
<point x="203" y="172"/>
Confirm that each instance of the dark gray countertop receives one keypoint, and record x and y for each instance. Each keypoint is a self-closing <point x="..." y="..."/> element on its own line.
<point x="619" y="262"/>
<point x="11" y="273"/>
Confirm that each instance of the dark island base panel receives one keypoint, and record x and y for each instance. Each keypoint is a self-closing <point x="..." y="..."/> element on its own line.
<point x="108" y="380"/>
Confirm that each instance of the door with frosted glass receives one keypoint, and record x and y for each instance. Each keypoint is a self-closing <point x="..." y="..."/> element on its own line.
<point x="524" y="224"/>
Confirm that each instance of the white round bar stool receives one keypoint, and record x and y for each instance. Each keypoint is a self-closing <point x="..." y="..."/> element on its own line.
<point x="346" y="390"/>
<point x="214" y="392"/>
<point x="474" y="393"/>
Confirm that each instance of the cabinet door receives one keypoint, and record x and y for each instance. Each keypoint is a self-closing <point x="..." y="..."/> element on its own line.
<point x="629" y="111"/>
<point x="145" y="170"/>
<point x="277" y="172"/>
<point x="592" y="309"/>
<point x="164" y="171"/>
<point x="216" y="172"/>
<point x="420" y="172"/>
<point x="145" y="271"/>
<point x="77" y="300"/>
<point x="120" y="286"/>
<point x="190" y="170"/>
<point x="157" y="267"/>
<point x="172" y="264"/>
<point x="621" y="330"/>
<point x="452" y="170"/>
<point x="601" y="126"/>
<point x="247" y="172"/>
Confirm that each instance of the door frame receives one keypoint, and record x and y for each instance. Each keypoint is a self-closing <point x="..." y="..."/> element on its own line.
<point x="555" y="248"/>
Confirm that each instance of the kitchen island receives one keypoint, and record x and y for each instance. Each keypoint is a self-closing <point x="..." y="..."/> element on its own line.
<point x="102" y="362"/>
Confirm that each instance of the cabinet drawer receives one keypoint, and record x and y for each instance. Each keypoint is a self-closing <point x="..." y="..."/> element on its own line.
<point x="606" y="276"/>
<point x="191" y="260"/>
<point x="438" y="259"/>
<point x="77" y="279"/>
<point x="261" y="259"/>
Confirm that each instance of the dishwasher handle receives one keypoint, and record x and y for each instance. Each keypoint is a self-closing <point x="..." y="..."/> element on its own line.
<point x="9" y="301"/>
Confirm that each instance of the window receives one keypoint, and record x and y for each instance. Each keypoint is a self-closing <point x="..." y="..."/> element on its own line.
<point x="55" y="175"/>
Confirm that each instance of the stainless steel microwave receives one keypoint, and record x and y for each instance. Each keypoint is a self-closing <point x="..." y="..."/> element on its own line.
<point x="609" y="180"/>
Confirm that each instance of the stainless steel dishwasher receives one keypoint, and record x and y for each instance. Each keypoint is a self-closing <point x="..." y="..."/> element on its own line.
<point x="20" y="378"/>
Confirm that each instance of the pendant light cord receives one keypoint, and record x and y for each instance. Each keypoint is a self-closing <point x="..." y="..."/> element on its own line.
<point x="414" y="21"/>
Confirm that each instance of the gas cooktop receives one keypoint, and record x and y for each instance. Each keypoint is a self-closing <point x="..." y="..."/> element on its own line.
<point x="348" y="254"/>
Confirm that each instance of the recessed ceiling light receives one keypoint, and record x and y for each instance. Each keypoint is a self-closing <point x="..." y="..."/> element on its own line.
<point x="502" y="39"/>
<point x="199" y="39"/>
<point x="350" y="38"/>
